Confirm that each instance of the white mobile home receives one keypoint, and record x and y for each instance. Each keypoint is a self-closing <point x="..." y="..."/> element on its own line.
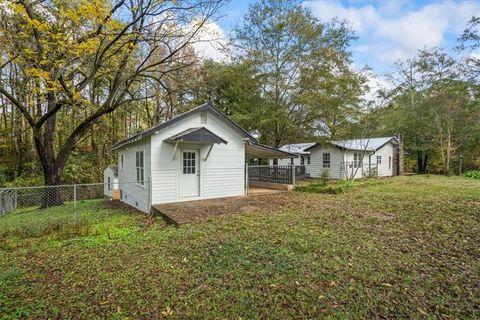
<point x="200" y="154"/>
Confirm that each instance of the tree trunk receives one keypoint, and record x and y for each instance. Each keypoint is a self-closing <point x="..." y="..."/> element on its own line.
<point x="52" y="196"/>
<point x="422" y="162"/>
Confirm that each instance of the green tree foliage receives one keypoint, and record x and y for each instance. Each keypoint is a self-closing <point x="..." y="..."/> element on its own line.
<point x="435" y="109"/>
<point x="66" y="65"/>
<point x="233" y="87"/>
<point x="303" y="67"/>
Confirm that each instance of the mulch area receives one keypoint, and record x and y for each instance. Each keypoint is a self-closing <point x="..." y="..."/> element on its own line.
<point x="194" y="211"/>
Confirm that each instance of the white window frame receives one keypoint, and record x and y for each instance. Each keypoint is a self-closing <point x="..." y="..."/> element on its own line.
<point x="138" y="169"/>
<point x="302" y="160"/>
<point x="390" y="162"/>
<point x="189" y="164"/>
<point x="326" y="163"/>
<point x="109" y="187"/>
<point x="379" y="160"/>
<point x="357" y="160"/>
<point x="308" y="159"/>
<point x="122" y="161"/>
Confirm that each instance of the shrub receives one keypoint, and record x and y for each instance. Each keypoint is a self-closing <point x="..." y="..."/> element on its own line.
<point x="474" y="174"/>
<point x="323" y="188"/>
<point x="325" y="175"/>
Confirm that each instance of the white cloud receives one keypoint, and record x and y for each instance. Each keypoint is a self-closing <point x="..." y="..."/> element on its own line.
<point x="394" y="30"/>
<point x="211" y="42"/>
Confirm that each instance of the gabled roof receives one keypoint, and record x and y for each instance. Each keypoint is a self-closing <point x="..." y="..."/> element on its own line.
<point x="363" y="144"/>
<point x="204" y="107"/>
<point x="200" y="134"/>
<point x="298" y="148"/>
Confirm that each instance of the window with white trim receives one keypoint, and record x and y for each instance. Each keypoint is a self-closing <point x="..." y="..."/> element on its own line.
<point x="140" y="166"/>
<point x="122" y="163"/>
<point x="109" y="186"/>
<point x="379" y="160"/>
<point x="357" y="160"/>
<point x="389" y="162"/>
<point x="302" y="160"/>
<point x="189" y="163"/>
<point x="326" y="160"/>
<point x="308" y="159"/>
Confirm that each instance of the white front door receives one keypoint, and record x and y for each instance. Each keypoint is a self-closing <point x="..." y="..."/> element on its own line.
<point x="190" y="174"/>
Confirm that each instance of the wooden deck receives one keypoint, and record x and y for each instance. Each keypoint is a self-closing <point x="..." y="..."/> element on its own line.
<point x="194" y="211"/>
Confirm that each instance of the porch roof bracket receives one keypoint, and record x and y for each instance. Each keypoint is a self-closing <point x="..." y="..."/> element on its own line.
<point x="208" y="152"/>
<point x="174" y="150"/>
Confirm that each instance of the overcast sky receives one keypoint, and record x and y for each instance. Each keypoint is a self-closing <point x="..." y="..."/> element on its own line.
<point x="387" y="30"/>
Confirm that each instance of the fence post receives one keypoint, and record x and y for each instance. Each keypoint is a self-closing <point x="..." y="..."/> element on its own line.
<point x="293" y="176"/>
<point x="75" y="202"/>
<point x="16" y="199"/>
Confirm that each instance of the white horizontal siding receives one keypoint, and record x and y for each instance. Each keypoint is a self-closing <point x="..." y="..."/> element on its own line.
<point x="132" y="193"/>
<point x="223" y="182"/>
<point x="165" y="187"/>
<point x="216" y="176"/>
<point x="316" y="162"/>
<point x="385" y="152"/>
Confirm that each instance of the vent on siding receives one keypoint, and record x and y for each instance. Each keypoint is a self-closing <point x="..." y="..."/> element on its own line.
<point x="203" y="118"/>
<point x="136" y="204"/>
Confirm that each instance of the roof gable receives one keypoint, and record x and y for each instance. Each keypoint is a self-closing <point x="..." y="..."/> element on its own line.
<point x="204" y="107"/>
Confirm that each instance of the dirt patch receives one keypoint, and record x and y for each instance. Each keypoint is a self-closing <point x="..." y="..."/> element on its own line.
<point x="193" y="211"/>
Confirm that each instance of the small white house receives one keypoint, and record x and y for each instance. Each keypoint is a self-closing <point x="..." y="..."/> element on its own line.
<point x="354" y="159"/>
<point x="110" y="177"/>
<point x="200" y="154"/>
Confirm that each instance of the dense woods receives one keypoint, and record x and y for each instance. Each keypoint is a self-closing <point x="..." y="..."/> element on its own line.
<point x="77" y="76"/>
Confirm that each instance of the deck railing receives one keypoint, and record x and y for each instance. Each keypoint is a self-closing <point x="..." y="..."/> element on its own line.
<point x="272" y="174"/>
<point x="275" y="174"/>
<point x="300" y="171"/>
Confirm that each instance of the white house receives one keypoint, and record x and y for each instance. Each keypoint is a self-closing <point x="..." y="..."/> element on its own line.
<point x="356" y="158"/>
<point x="110" y="176"/>
<point x="200" y="154"/>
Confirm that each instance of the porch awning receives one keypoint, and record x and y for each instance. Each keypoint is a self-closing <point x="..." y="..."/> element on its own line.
<point x="261" y="151"/>
<point x="196" y="135"/>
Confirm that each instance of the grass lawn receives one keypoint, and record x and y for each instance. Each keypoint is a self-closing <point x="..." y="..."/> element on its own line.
<point x="405" y="247"/>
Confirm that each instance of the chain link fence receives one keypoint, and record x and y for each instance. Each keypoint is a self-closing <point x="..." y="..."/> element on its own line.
<point x="43" y="198"/>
